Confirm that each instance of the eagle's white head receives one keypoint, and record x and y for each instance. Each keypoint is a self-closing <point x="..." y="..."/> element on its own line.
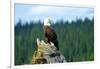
<point x="47" y="21"/>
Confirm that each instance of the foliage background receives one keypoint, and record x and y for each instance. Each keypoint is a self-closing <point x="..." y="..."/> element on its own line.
<point x="76" y="39"/>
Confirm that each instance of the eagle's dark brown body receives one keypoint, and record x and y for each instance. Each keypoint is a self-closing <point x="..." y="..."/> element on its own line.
<point x="50" y="34"/>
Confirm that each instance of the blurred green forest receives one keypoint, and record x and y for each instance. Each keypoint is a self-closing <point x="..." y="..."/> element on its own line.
<point x="76" y="39"/>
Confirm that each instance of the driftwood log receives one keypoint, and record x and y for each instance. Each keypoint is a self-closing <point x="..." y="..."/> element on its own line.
<point x="47" y="53"/>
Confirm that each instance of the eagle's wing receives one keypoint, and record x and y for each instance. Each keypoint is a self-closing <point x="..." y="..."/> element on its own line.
<point x="50" y="34"/>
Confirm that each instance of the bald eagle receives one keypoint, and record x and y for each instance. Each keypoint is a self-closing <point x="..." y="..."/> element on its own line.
<point x="50" y="33"/>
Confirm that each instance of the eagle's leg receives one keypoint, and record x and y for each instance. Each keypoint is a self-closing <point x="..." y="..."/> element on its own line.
<point x="47" y="40"/>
